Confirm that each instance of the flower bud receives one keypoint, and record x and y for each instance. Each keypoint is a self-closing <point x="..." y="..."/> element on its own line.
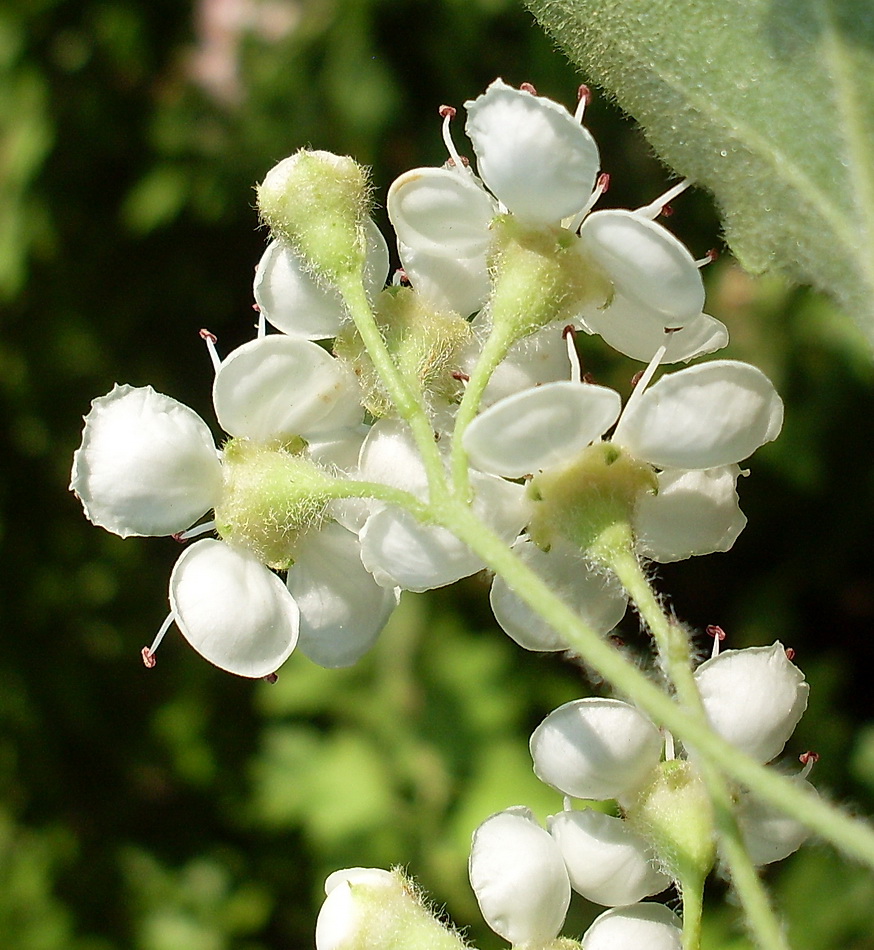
<point x="317" y="203"/>
<point x="372" y="909"/>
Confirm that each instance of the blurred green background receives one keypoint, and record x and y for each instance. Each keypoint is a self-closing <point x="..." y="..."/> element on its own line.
<point x="184" y="809"/>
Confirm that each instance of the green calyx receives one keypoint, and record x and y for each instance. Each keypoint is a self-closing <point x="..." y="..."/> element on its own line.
<point x="272" y="495"/>
<point x="317" y="203"/>
<point x="674" y="813"/>
<point x="424" y="344"/>
<point x="590" y="501"/>
<point x="539" y="275"/>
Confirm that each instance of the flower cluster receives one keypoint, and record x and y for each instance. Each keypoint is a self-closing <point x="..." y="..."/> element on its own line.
<point x="606" y="751"/>
<point x="518" y="247"/>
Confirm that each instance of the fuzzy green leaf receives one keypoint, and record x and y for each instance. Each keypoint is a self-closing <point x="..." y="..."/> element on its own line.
<point x="767" y="103"/>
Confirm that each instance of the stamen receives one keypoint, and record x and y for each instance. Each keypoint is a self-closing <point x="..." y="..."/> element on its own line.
<point x="584" y="97"/>
<point x="808" y="760"/>
<point x="639" y="389"/>
<point x="270" y="678"/>
<point x="790" y="653"/>
<point x="670" y="751"/>
<point x="567" y="803"/>
<point x="718" y="635"/>
<point x="148" y="653"/>
<point x="601" y="186"/>
<point x="570" y="334"/>
<point x="448" y="113"/>
<point x="528" y="87"/>
<point x="708" y="258"/>
<point x="211" y="339"/>
<point x="463" y="378"/>
<point x="655" y="208"/>
<point x="262" y="324"/>
<point x="198" y="529"/>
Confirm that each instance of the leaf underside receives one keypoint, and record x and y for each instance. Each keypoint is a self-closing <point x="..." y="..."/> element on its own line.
<point x="769" y="104"/>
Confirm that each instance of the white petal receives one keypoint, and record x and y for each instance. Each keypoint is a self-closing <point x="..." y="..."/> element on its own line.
<point x="595" y="748"/>
<point x="389" y="455"/>
<point x="441" y="211"/>
<point x="278" y="386"/>
<point x="340" y="920"/>
<point x="538" y="358"/>
<point x="399" y="551"/>
<point x="147" y="464"/>
<point x="232" y="609"/>
<point x="293" y="302"/>
<point x="705" y="416"/>
<point x="595" y="597"/>
<point x="754" y="698"/>
<point x="607" y="862"/>
<point x="531" y="153"/>
<point x="693" y="513"/>
<point x="633" y="332"/>
<point x="646" y="264"/>
<point x="635" y="927"/>
<point x="447" y="283"/>
<point x="342" y="608"/>
<point x="540" y="427"/>
<point x="770" y="835"/>
<point x="519" y="878"/>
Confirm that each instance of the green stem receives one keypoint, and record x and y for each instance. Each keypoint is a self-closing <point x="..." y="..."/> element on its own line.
<point x="404" y="399"/>
<point x="350" y="488"/>
<point x="616" y="552"/>
<point x="693" y="901"/>
<point x="498" y="342"/>
<point x="854" y="838"/>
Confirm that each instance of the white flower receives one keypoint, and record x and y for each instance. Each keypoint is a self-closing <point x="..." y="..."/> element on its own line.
<point x="148" y="466"/>
<point x="651" y="926"/>
<point x="693" y="426"/>
<point x="537" y="160"/>
<point x="519" y="878"/>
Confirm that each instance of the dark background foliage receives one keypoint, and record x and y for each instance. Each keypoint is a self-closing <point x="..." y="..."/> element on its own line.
<point x="184" y="809"/>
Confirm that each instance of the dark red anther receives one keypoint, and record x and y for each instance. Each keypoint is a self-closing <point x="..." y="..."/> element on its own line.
<point x="587" y="378"/>
<point x="528" y="87"/>
<point x="461" y="377"/>
<point x="713" y="254"/>
<point x="790" y="653"/>
<point x="208" y="335"/>
<point x="179" y="536"/>
<point x="604" y="182"/>
<point x="403" y="279"/>
<point x="569" y="331"/>
<point x="617" y="642"/>
<point x="715" y="631"/>
<point x="270" y="678"/>
<point x="256" y="307"/>
<point x="667" y="211"/>
<point x="635" y="379"/>
<point x="465" y="161"/>
<point x="149" y="660"/>
<point x="808" y="757"/>
<point x="584" y="94"/>
<point x="447" y="111"/>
